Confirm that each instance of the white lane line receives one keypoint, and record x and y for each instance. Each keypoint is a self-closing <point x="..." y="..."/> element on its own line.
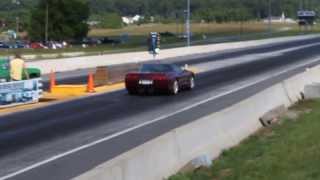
<point x="150" y="122"/>
<point x="207" y="66"/>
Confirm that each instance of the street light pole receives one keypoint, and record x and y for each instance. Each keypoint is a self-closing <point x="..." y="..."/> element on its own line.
<point x="188" y="30"/>
<point x="269" y="16"/>
<point x="17" y="24"/>
<point x="17" y="3"/>
<point x="47" y="22"/>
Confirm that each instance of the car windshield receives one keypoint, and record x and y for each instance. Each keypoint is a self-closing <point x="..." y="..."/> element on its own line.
<point x="156" y="68"/>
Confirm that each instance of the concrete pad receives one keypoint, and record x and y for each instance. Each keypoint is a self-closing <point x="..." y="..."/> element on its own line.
<point x="109" y="88"/>
<point x="54" y="98"/>
<point x="69" y="90"/>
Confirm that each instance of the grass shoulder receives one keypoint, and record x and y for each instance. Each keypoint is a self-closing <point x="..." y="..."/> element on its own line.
<point x="289" y="150"/>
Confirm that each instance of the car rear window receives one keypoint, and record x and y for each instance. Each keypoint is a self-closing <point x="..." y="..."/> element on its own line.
<point x="156" y="68"/>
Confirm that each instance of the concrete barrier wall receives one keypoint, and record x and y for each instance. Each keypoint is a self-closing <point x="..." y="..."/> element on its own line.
<point x="209" y="136"/>
<point x="114" y="74"/>
<point x="117" y="73"/>
<point x="312" y="90"/>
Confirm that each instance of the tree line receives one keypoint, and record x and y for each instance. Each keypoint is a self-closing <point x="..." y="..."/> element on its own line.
<point x="202" y="9"/>
<point x="68" y="17"/>
<point x="211" y="10"/>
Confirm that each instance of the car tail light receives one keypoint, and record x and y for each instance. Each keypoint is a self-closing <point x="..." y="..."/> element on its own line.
<point x="132" y="76"/>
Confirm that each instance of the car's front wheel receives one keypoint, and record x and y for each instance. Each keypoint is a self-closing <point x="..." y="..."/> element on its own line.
<point x="174" y="88"/>
<point x="191" y="84"/>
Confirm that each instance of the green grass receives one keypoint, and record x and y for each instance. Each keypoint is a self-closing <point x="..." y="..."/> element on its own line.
<point x="288" y="151"/>
<point x="198" y="28"/>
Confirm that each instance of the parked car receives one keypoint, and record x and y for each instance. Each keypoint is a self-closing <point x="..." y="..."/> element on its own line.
<point x="5" y="71"/>
<point x="167" y="34"/>
<point x="17" y="45"/>
<point x="37" y="45"/>
<point x="91" y="41"/>
<point x="107" y="40"/>
<point x="4" y="45"/>
<point x="159" y="78"/>
<point x="54" y="45"/>
<point x="20" y="44"/>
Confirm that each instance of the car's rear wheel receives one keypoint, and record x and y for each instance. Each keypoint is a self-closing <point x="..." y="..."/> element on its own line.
<point x="131" y="92"/>
<point x="174" y="88"/>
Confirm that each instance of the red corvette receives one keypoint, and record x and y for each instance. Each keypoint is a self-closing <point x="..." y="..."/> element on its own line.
<point x="152" y="78"/>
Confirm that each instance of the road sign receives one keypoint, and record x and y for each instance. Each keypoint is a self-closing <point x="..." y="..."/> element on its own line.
<point x="306" y="17"/>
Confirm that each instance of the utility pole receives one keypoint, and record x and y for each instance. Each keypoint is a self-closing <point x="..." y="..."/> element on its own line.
<point x="17" y="24"/>
<point x="177" y="23"/>
<point x="269" y="16"/>
<point x="47" y="21"/>
<point x="17" y="3"/>
<point x="188" y="29"/>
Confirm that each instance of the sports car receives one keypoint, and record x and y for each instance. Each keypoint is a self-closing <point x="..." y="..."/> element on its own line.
<point x="153" y="78"/>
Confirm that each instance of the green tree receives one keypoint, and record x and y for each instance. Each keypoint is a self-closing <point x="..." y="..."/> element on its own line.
<point x="164" y="10"/>
<point x="66" y="20"/>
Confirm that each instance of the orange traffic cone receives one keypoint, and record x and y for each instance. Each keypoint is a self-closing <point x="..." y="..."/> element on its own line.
<point x="90" y="87"/>
<point x="52" y="80"/>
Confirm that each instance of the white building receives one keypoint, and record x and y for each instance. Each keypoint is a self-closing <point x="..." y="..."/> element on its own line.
<point x="93" y="23"/>
<point x="131" y="20"/>
<point x="281" y="19"/>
